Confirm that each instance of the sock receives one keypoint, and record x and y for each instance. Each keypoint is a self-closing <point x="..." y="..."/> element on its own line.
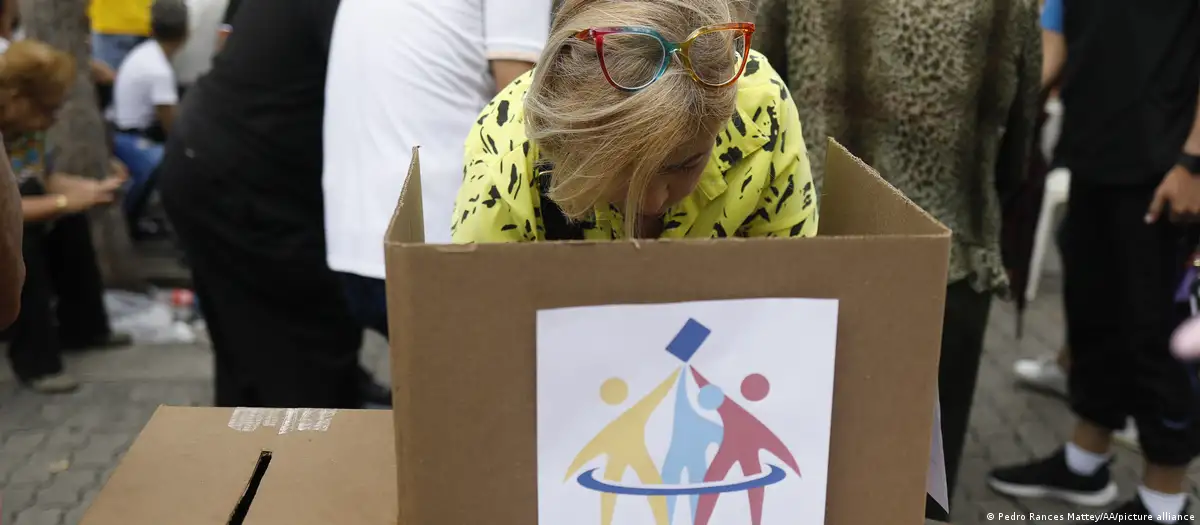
<point x="1160" y="504"/>
<point x="1082" y="462"/>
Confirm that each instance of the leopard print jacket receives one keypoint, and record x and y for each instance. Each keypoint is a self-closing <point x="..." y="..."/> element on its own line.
<point x="935" y="94"/>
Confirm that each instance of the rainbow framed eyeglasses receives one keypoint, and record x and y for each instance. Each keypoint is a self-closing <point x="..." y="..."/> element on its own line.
<point x="635" y="57"/>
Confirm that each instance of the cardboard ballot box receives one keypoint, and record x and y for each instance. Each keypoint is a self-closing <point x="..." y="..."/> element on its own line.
<point x="463" y="325"/>
<point x="252" y="466"/>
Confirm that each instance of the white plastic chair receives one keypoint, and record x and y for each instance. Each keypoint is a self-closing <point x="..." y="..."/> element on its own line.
<point x="1058" y="188"/>
<point x="1052" y="128"/>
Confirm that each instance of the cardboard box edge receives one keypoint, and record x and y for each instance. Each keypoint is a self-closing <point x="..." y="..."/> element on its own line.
<point x="413" y="227"/>
<point x="835" y="150"/>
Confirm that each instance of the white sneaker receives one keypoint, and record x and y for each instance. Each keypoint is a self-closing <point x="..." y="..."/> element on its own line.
<point x="1042" y="373"/>
<point x="1128" y="437"/>
<point x="60" y="383"/>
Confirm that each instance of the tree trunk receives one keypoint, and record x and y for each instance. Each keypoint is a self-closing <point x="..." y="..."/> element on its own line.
<point x="79" y="135"/>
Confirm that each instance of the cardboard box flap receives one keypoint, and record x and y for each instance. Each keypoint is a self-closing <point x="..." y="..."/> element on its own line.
<point x="858" y="201"/>
<point x="217" y="466"/>
<point x="408" y="221"/>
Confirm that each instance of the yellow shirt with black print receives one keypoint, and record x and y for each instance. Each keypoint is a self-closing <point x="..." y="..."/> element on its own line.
<point x="757" y="182"/>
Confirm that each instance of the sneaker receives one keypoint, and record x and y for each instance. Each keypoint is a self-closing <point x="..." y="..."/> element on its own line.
<point x="104" y="342"/>
<point x="1128" y="437"/>
<point x="1050" y="478"/>
<point x="1042" y="373"/>
<point x="1131" y="510"/>
<point x="373" y="394"/>
<point x="60" y="383"/>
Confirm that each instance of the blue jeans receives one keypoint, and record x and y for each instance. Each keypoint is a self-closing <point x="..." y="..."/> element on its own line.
<point x="111" y="49"/>
<point x="142" y="156"/>
<point x="368" y="301"/>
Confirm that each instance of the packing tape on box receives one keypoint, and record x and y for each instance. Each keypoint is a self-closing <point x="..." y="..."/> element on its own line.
<point x="285" y="419"/>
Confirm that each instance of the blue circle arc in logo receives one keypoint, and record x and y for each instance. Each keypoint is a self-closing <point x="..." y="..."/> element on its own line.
<point x="588" y="480"/>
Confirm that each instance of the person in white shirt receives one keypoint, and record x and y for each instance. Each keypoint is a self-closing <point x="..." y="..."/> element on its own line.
<point x="405" y="73"/>
<point x="145" y="96"/>
<point x="195" y="58"/>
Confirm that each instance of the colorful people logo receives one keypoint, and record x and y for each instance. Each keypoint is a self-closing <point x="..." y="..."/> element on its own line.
<point x="739" y="438"/>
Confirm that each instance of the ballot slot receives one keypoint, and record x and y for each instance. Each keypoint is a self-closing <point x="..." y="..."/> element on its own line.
<point x="242" y="509"/>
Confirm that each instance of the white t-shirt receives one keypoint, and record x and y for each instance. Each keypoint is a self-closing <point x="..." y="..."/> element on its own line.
<point x="406" y="73"/>
<point x="144" y="81"/>
<point x="195" y="58"/>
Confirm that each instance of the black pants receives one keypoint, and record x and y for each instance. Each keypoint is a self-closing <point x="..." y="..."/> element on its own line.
<point x="63" y="298"/>
<point x="1060" y="241"/>
<point x="963" y="326"/>
<point x="281" y="332"/>
<point x="1120" y="277"/>
<point x="368" y="301"/>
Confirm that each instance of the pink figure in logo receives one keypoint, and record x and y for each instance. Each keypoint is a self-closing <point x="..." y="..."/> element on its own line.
<point x="745" y="437"/>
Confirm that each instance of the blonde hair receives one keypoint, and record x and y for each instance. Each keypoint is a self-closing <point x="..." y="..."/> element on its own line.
<point x="591" y="131"/>
<point x="35" y="71"/>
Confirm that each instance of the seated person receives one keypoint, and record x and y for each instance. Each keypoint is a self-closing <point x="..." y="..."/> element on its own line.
<point x="62" y="302"/>
<point x="145" y="95"/>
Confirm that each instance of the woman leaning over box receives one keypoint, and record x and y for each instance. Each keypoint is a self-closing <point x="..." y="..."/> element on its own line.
<point x="620" y="132"/>
<point x="62" y="304"/>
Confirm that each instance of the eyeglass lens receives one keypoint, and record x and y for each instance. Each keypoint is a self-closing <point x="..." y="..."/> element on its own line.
<point x="633" y="60"/>
<point x="717" y="57"/>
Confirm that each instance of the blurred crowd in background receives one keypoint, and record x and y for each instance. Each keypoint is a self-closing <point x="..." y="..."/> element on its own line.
<point x="267" y="141"/>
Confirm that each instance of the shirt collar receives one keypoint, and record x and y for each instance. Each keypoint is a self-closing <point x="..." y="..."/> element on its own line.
<point x="740" y="138"/>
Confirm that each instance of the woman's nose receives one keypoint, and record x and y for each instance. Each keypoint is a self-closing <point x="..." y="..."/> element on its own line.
<point x="656" y="197"/>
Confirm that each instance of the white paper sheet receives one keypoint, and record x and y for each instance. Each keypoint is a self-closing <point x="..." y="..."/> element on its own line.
<point x="629" y="397"/>
<point x="935" y="479"/>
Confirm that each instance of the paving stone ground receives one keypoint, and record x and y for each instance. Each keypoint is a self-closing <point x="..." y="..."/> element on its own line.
<point x="56" y="452"/>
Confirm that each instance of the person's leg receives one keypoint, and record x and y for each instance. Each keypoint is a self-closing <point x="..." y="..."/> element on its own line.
<point x="227" y="390"/>
<point x="1099" y="381"/>
<point x="142" y="157"/>
<point x="1047" y="373"/>
<point x="367" y="299"/>
<point x="181" y="180"/>
<point x="1164" y="390"/>
<point x="378" y="320"/>
<point x="1063" y="359"/>
<point x="286" y="338"/>
<point x="1050" y="375"/>
<point x="963" y="328"/>
<point x="33" y="347"/>
<point x="71" y="257"/>
<point x="306" y="325"/>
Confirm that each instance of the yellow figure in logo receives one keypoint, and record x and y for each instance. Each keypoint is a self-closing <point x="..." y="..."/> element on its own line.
<point x="624" y="442"/>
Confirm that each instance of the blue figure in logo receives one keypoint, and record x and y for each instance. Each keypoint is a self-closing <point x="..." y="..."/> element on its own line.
<point x="692" y="435"/>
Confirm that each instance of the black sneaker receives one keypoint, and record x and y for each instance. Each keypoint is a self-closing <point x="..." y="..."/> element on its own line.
<point x="1050" y="478"/>
<point x="1134" y="511"/>
<point x="107" y="341"/>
